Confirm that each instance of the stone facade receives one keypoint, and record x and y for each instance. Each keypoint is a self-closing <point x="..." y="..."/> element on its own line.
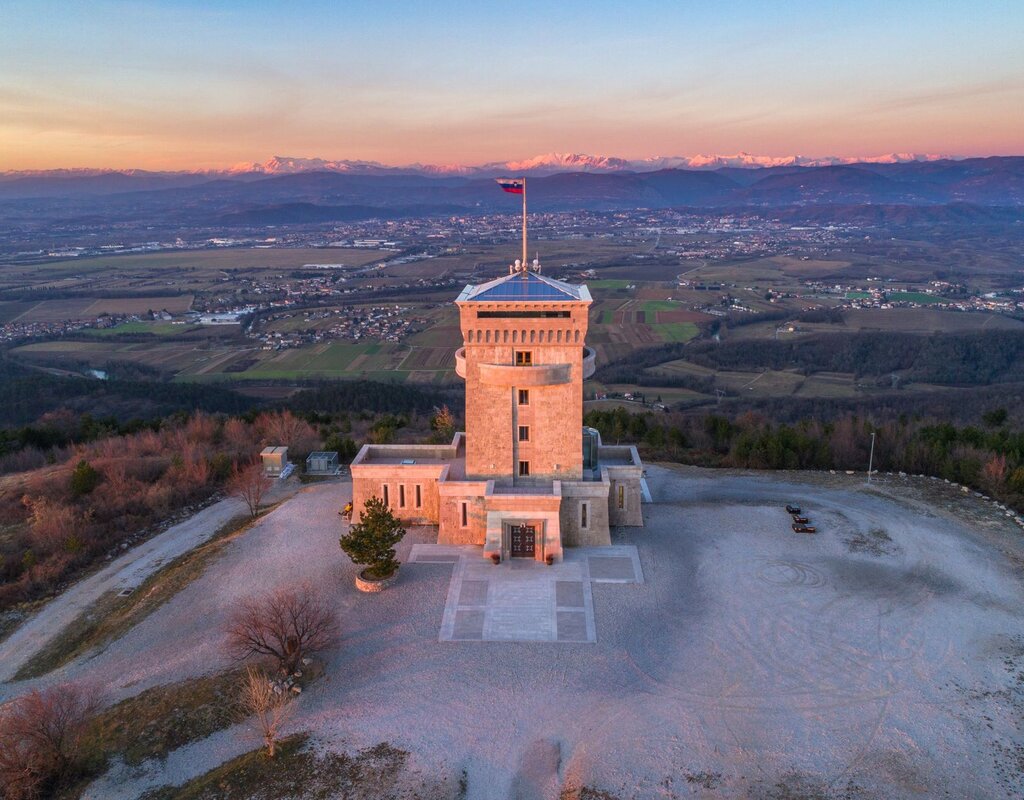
<point x="516" y="482"/>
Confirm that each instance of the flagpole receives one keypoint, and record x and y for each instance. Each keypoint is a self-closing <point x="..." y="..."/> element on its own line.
<point x="524" y="225"/>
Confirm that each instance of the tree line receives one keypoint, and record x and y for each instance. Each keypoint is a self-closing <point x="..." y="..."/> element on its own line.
<point x="963" y="359"/>
<point x="989" y="458"/>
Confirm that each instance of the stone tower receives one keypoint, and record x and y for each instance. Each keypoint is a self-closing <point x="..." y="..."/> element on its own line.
<point x="524" y="363"/>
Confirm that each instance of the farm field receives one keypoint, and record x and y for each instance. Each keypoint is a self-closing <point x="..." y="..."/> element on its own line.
<point x="914" y="297"/>
<point x="897" y="320"/>
<point x="215" y="260"/>
<point x="86" y="308"/>
<point x="179" y="358"/>
<point x="766" y="383"/>
<point x="667" y="394"/>
<point x="637" y="323"/>
<point x="153" y="327"/>
<point x="638" y="304"/>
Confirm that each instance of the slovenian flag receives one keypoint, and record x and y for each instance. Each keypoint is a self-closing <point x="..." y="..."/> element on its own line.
<point x="511" y="185"/>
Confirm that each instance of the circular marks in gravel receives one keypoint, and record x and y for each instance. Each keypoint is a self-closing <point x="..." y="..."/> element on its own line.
<point x="790" y="573"/>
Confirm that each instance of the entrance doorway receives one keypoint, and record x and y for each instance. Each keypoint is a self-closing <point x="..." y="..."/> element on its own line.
<point x="523" y="541"/>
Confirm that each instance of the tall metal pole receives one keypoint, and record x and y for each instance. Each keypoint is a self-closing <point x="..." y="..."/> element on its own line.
<point x="524" y="225"/>
<point x="871" y="458"/>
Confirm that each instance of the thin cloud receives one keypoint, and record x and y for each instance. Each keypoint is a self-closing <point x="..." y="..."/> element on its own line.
<point x="946" y="96"/>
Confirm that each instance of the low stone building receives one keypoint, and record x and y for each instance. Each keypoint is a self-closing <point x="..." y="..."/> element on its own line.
<point x="526" y="478"/>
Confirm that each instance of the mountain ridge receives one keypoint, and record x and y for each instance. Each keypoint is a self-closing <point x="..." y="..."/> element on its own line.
<point x="992" y="181"/>
<point x="546" y="163"/>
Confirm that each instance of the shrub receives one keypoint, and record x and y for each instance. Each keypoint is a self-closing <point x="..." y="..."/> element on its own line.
<point x="249" y="484"/>
<point x="372" y="540"/>
<point x="266" y="705"/>
<point x="84" y="478"/>
<point x="42" y="740"/>
<point x="286" y="624"/>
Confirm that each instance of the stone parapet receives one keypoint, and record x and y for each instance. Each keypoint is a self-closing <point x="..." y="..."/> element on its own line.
<point x="506" y="375"/>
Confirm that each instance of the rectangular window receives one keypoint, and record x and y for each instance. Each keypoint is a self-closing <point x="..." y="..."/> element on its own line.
<point x="522" y="314"/>
<point x="584" y="515"/>
<point x="419" y="496"/>
<point x="387" y="500"/>
<point x="621" y="496"/>
<point x="524" y="469"/>
<point x="401" y="495"/>
<point x="524" y="433"/>
<point x="465" y="514"/>
<point x="524" y="397"/>
<point x="524" y="358"/>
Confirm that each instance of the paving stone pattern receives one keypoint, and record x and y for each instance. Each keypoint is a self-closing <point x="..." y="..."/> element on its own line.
<point x="523" y="600"/>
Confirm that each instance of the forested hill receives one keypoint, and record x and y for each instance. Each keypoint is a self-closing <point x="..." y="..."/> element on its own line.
<point x="968" y="359"/>
<point x="372" y="396"/>
<point x="26" y="394"/>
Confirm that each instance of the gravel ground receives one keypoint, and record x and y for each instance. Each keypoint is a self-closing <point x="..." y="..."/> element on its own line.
<point x="881" y="658"/>
<point x="124" y="572"/>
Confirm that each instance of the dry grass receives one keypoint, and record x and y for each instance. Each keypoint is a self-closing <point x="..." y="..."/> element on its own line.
<point x="295" y="772"/>
<point x="112" y="615"/>
<point x="164" y="718"/>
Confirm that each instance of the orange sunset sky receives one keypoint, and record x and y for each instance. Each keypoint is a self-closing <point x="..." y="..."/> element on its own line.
<point x="199" y="85"/>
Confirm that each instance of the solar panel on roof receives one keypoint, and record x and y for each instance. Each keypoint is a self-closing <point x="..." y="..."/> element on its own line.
<point x="526" y="287"/>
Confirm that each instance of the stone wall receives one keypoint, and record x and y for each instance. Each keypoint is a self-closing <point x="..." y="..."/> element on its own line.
<point x="624" y="486"/>
<point x="369" y="481"/>
<point x="597" y="532"/>
<point x="451" y="496"/>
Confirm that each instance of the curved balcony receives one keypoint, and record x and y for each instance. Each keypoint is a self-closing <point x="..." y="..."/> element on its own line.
<point x="537" y="375"/>
<point x="589" y="362"/>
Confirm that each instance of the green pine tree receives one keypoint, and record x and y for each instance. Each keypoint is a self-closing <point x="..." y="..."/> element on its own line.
<point x="372" y="540"/>
<point x="84" y="478"/>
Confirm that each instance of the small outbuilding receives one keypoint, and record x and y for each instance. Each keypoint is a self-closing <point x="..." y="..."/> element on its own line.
<point x="275" y="460"/>
<point x="322" y="462"/>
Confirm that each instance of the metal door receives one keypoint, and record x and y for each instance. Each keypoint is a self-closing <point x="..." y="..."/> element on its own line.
<point x="524" y="538"/>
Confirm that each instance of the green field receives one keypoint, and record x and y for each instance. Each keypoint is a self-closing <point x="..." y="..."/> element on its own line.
<point x="609" y="284"/>
<point x="654" y="306"/>
<point x="329" y="360"/>
<point x="858" y="295"/>
<point x="675" y="331"/>
<point x="141" y="326"/>
<point x="914" y="297"/>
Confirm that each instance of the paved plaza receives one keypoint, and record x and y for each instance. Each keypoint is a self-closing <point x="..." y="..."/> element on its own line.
<point x="522" y="599"/>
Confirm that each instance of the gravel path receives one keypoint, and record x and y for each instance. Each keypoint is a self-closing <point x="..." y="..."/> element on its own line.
<point x="881" y="658"/>
<point x="125" y="572"/>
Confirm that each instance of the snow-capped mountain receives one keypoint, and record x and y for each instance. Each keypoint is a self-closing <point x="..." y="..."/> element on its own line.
<point x="571" y="162"/>
<point x="546" y="164"/>
<point x="287" y="165"/>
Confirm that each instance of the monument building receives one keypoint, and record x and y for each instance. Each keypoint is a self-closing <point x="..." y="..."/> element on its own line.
<point x="526" y="478"/>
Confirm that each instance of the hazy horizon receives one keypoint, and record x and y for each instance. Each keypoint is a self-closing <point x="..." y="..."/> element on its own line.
<point x="188" y="85"/>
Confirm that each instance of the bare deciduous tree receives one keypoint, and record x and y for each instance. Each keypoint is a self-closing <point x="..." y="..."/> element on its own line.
<point x="267" y="706"/>
<point x="286" y="624"/>
<point x="249" y="484"/>
<point x="41" y="738"/>
<point x="284" y="428"/>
